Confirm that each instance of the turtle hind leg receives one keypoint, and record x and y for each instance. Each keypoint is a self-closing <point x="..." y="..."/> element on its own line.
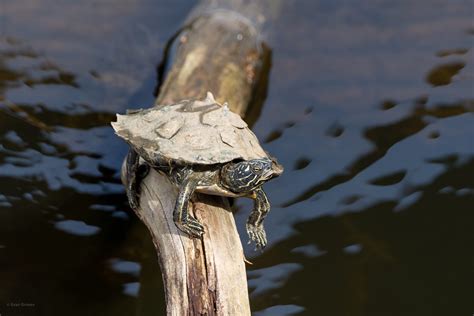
<point x="183" y="220"/>
<point x="134" y="173"/>
<point x="254" y="225"/>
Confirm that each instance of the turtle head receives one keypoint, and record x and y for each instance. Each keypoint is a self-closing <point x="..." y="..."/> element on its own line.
<point x="246" y="176"/>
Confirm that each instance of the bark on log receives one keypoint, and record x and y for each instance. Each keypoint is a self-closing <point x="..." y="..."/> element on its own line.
<point x="219" y="51"/>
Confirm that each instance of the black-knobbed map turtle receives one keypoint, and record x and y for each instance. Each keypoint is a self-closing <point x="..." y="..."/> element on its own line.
<point x="203" y="147"/>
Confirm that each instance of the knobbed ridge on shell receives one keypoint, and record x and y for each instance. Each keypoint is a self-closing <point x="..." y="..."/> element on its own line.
<point x="191" y="131"/>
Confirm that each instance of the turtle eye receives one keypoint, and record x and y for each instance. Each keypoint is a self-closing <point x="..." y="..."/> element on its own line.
<point x="256" y="168"/>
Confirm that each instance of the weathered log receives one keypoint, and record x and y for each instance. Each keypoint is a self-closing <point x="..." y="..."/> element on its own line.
<point x="219" y="51"/>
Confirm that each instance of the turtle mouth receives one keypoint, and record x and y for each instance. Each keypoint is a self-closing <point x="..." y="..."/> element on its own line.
<point x="267" y="175"/>
<point x="271" y="172"/>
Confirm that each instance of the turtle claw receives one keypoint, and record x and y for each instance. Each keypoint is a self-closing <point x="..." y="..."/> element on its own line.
<point x="192" y="227"/>
<point x="257" y="235"/>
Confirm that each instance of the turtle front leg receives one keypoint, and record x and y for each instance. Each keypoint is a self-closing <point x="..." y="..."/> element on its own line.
<point x="183" y="220"/>
<point x="254" y="225"/>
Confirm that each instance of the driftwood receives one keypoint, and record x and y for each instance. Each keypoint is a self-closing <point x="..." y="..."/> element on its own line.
<point x="218" y="51"/>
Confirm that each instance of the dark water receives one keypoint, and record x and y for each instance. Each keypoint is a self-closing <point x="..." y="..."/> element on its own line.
<point x="370" y="108"/>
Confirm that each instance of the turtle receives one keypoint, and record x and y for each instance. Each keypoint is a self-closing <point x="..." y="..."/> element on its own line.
<point x="202" y="146"/>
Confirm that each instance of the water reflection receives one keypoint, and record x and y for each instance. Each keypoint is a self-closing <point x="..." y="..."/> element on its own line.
<point x="302" y="163"/>
<point x="375" y="252"/>
<point x="62" y="207"/>
<point x="443" y="74"/>
<point x="367" y="218"/>
<point x="335" y="130"/>
<point x="449" y="52"/>
<point x="384" y="137"/>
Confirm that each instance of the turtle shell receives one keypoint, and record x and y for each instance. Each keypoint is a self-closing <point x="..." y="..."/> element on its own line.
<point x="189" y="132"/>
